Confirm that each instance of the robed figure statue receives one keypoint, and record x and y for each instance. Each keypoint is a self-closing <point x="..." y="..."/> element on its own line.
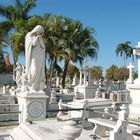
<point x="35" y="59"/>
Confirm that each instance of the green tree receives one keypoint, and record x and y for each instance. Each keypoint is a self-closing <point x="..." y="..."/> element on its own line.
<point x="112" y="73"/>
<point x="124" y="50"/>
<point x="53" y="44"/>
<point x="16" y="16"/>
<point x="2" y="62"/>
<point x="115" y="73"/>
<point x="68" y="41"/>
<point x="4" y="27"/>
<point x="97" y="72"/>
<point x="78" y="43"/>
<point x="135" y="74"/>
<point x="72" y="70"/>
<point x="123" y="73"/>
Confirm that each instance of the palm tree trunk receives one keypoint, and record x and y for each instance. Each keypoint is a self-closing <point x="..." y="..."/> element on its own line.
<point x="15" y="58"/>
<point x="2" y="63"/>
<point x="14" y="65"/>
<point x="65" y="73"/>
<point x="46" y="72"/>
<point x="124" y="60"/>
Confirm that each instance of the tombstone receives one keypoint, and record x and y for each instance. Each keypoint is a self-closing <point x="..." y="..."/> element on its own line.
<point x="85" y="89"/>
<point x="53" y="98"/>
<point x="109" y="85"/>
<point x="120" y="85"/>
<point x="52" y="105"/>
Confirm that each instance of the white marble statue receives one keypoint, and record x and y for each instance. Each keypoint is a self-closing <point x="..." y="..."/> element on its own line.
<point x="35" y="59"/>
<point x="18" y="71"/>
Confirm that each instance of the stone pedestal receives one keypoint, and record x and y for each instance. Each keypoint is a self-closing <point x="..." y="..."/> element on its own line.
<point x="32" y="107"/>
<point x="84" y="91"/>
<point x="70" y="130"/>
<point x="135" y="100"/>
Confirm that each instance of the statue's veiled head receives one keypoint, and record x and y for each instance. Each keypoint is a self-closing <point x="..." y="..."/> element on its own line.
<point x="38" y="30"/>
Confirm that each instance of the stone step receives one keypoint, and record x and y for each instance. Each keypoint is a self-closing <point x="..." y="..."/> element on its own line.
<point x="5" y="138"/>
<point x="20" y="134"/>
<point x="8" y="123"/>
<point x="7" y="96"/>
<point x="9" y="107"/>
<point x="7" y="99"/>
<point x="9" y="117"/>
<point x="7" y="102"/>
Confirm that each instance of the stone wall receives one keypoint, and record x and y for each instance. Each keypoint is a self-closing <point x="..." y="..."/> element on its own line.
<point x="6" y="79"/>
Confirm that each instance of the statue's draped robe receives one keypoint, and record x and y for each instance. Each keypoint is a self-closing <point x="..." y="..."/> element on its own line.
<point x="35" y="60"/>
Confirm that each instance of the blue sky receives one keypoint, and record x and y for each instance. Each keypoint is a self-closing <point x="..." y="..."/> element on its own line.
<point x="115" y="21"/>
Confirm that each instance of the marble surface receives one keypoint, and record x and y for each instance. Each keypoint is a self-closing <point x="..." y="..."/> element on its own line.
<point x="50" y="129"/>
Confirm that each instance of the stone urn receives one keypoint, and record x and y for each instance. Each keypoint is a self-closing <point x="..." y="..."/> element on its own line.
<point x="70" y="130"/>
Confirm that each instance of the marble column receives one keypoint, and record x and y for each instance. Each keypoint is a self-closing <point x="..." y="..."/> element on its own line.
<point x="80" y="83"/>
<point x="85" y="77"/>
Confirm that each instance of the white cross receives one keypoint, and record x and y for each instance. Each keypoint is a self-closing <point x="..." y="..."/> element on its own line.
<point x="130" y="67"/>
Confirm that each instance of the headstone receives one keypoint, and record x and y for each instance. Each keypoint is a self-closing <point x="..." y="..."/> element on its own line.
<point x="53" y="98"/>
<point x="120" y="85"/>
<point x="85" y="89"/>
<point x="109" y="85"/>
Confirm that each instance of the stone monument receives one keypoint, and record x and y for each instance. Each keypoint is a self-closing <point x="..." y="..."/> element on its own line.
<point x="134" y="89"/>
<point x="32" y="100"/>
<point x="75" y="80"/>
<point x="85" y="89"/>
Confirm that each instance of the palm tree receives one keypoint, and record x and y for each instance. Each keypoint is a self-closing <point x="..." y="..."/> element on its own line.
<point x="2" y="62"/>
<point x="124" y="50"/>
<point x="3" y="44"/>
<point x="78" y="43"/>
<point x="16" y="16"/>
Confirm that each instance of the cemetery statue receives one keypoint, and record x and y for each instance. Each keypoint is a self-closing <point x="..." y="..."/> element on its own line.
<point x="18" y="71"/>
<point x="35" y="59"/>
